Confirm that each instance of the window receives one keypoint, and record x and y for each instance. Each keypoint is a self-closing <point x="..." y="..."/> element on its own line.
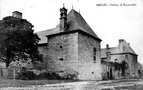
<point x="61" y="59"/>
<point x="94" y="55"/>
<point x="126" y="57"/>
<point x="60" y="46"/>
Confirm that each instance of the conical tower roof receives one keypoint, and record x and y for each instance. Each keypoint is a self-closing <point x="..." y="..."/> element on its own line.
<point x="75" y="22"/>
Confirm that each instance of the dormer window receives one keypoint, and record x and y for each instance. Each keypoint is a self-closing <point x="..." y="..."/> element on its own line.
<point x="108" y="55"/>
<point x="126" y="57"/>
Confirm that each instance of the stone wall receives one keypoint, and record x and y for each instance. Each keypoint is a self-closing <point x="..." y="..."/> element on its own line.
<point x="130" y="72"/>
<point x="73" y="52"/>
<point x="89" y="69"/>
<point x="62" y="52"/>
<point x="131" y="61"/>
<point x="7" y="73"/>
<point x="43" y="49"/>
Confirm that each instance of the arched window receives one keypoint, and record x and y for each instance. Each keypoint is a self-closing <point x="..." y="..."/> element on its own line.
<point x="94" y="55"/>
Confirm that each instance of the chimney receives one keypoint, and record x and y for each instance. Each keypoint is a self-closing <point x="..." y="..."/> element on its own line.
<point x="17" y="14"/>
<point x="121" y="40"/>
<point x="63" y="18"/>
<point x="107" y="46"/>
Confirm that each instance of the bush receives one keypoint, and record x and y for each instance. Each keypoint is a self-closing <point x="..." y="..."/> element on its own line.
<point x="57" y="76"/>
<point x="69" y="76"/>
<point x="48" y="75"/>
<point x="30" y="75"/>
<point x="26" y="75"/>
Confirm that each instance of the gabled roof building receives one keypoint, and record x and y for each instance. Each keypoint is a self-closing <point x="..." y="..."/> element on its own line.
<point x="71" y="47"/>
<point x="119" y="62"/>
<point x="74" y="23"/>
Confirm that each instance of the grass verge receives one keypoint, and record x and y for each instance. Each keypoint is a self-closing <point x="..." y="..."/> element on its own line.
<point x="23" y="83"/>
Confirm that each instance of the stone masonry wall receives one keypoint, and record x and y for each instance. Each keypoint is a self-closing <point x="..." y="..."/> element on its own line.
<point x="73" y="52"/>
<point x="131" y="61"/>
<point x="44" y="51"/>
<point x="88" y="68"/>
<point x="63" y="52"/>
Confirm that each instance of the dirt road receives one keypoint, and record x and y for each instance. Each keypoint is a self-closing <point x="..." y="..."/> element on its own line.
<point x="86" y="85"/>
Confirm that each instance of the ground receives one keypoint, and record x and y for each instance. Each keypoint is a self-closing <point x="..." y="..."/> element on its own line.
<point x="132" y="84"/>
<point x="24" y="83"/>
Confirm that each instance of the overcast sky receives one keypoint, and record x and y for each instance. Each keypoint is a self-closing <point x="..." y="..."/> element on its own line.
<point x="110" y="23"/>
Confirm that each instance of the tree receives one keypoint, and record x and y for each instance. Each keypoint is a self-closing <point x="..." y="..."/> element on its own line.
<point x="18" y="40"/>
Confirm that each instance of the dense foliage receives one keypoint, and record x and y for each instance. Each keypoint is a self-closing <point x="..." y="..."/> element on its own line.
<point x="18" y="40"/>
<point x="49" y="75"/>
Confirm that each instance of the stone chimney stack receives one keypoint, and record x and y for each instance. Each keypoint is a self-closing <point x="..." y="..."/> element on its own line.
<point x="121" y="40"/>
<point x="17" y="14"/>
<point x="63" y="18"/>
<point x="107" y="46"/>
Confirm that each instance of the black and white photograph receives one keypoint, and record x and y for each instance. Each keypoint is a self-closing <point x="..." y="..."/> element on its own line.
<point x="71" y="44"/>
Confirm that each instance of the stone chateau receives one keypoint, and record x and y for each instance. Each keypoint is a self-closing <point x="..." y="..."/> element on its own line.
<point x="72" y="46"/>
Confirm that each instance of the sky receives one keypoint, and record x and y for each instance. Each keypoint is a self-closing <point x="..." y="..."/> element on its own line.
<point x="110" y="23"/>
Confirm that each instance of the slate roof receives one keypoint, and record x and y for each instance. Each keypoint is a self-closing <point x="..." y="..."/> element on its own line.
<point x="111" y="49"/>
<point x="75" y="22"/>
<point x="122" y="48"/>
<point x="128" y="49"/>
